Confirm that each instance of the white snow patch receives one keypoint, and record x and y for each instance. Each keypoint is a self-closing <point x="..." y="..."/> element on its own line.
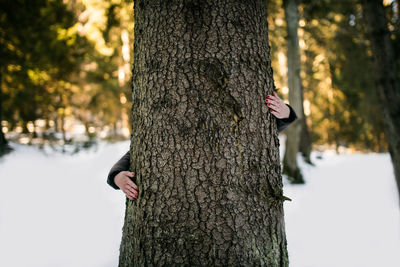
<point x="57" y="210"/>
<point x="347" y="213"/>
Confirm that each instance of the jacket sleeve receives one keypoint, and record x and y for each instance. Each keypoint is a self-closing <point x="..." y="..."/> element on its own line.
<point x="283" y="123"/>
<point x="121" y="165"/>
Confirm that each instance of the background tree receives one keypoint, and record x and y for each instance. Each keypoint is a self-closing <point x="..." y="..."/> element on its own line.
<point x="386" y="77"/>
<point x="40" y="51"/>
<point x="108" y="66"/>
<point x="342" y="104"/>
<point x="3" y="141"/>
<point x="293" y="134"/>
<point x="68" y="62"/>
<point x="204" y="146"/>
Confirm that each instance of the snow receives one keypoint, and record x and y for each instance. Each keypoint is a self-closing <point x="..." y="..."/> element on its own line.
<point x="347" y="214"/>
<point x="57" y="210"/>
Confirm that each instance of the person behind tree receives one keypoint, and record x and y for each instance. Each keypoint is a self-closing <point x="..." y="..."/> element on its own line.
<point x="120" y="178"/>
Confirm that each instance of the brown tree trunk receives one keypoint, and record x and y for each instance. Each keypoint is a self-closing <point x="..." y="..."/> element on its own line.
<point x="293" y="134"/>
<point x="62" y="123"/>
<point x="305" y="142"/>
<point x="204" y="146"/>
<point x="3" y="140"/>
<point x="387" y="80"/>
<point x="305" y="146"/>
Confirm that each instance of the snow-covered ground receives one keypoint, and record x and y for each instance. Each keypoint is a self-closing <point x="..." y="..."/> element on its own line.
<point x="347" y="214"/>
<point x="57" y="210"/>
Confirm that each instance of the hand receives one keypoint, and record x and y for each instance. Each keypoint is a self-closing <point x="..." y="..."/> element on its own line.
<point x="277" y="107"/>
<point x="124" y="182"/>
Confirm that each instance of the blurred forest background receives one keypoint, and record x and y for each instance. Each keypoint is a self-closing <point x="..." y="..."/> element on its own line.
<point x="65" y="71"/>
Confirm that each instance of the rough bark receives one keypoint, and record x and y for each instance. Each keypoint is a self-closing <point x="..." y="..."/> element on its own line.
<point x="204" y="146"/>
<point x="290" y="166"/>
<point x="387" y="80"/>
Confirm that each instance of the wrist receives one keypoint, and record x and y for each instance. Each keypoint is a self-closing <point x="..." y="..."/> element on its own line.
<point x="117" y="179"/>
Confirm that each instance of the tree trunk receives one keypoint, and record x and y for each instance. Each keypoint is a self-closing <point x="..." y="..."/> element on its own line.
<point x="305" y="146"/>
<point x="305" y="142"/>
<point x="204" y="146"/>
<point x="387" y="81"/>
<point x="63" y="127"/>
<point x="293" y="134"/>
<point x="3" y="140"/>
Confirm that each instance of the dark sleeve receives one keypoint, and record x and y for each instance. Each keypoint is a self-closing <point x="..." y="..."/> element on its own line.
<point x="283" y="123"/>
<point x="121" y="165"/>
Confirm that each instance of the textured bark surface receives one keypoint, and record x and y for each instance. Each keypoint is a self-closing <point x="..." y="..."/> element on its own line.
<point x="387" y="80"/>
<point x="204" y="146"/>
<point x="290" y="166"/>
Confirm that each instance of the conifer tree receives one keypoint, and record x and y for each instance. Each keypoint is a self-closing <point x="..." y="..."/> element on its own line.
<point x="204" y="146"/>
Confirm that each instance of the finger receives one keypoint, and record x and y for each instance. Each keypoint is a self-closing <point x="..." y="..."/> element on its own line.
<point x="133" y="195"/>
<point x="132" y="184"/>
<point x="274" y="109"/>
<point x="130" y="195"/>
<point x="129" y="174"/>
<point x="274" y="100"/>
<point x="130" y="189"/>
<point x="269" y="98"/>
<point x="274" y="106"/>
<point x="276" y="114"/>
<point x="275" y="94"/>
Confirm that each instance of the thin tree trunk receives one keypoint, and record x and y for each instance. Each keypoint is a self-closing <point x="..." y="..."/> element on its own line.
<point x="204" y="146"/>
<point x="62" y="124"/>
<point x="387" y="80"/>
<point x="3" y="140"/>
<point x="293" y="134"/>
<point x="305" y="142"/>
<point x="305" y="145"/>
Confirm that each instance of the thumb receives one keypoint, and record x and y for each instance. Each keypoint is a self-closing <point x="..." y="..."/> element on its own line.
<point x="129" y="174"/>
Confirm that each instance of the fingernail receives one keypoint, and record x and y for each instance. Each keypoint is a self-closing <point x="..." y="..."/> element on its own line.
<point x="268" y="96"/>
